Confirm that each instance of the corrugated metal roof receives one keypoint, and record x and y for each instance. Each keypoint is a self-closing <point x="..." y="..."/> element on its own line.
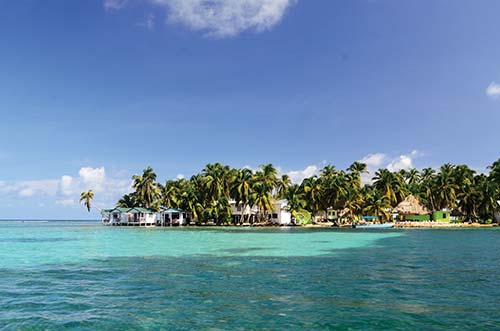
<point x="129" y="210"/>
<point x="171" y="210"/>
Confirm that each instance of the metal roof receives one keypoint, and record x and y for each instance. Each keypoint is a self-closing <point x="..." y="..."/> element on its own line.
<point x="129" y="210"/>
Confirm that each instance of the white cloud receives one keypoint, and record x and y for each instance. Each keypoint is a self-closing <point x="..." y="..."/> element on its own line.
<point x="35" y="187"/>
<point x="403" y="162"/>
<point x="180" y="176"/>
<point x="66" y="185"/>
<point x="66" y="190"/>
<point x="393" y="163"/>
<point x="493" y="90"/>
<point x="296" y="176"/>
<point x="26" y="192"/>
<point x="66" y="202"/>
<point x="114" y="4"/>
<point x="219" y="18"/>
<point x="93" y="177"/>
<point x="374" y="160"/>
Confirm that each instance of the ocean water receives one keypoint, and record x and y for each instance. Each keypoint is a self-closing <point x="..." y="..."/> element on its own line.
<point x="83" y="276"/>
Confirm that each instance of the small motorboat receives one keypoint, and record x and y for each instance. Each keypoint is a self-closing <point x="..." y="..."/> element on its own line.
<point x="373" y="226"/>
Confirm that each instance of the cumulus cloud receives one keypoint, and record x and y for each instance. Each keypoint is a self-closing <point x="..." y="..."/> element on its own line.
<point x="66" y="185"/>
<point x="296" y="176"/>
<point x="219" y="18"/>
<point x="65" y="191"/>
<point x="402" y="162"/>
<point x="493" y="90"/>
<point x="66" y="202"/>
<point x="26" y="192"/>
<point x="36" y="187"/>
<point x="393" y="163"/>
<point x="93" y="177"/>
<point x="374" y="160"/>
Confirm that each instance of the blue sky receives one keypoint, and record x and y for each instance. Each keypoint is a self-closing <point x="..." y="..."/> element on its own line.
<point x="92" y="92"/>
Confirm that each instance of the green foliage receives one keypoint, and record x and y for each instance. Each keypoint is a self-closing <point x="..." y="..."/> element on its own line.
<point x="206" y="196"/>
<point x="86" y="198"/>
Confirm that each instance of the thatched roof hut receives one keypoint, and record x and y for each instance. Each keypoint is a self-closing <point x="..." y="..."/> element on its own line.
<point x="410" y="206"/>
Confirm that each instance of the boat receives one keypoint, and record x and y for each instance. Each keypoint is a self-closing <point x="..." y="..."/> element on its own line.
<point x="374" y="226"/>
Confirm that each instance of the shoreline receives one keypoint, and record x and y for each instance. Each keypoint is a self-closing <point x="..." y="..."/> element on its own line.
<point x="442" y="225"/>
<point x="329" y="225"/>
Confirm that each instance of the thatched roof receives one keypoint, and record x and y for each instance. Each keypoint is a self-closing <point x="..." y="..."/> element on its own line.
<point x="411" y="206"/>
<point x="344" y="212"/>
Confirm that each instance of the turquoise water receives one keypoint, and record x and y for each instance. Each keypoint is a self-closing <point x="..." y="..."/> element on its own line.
<point x="83" y="276"/>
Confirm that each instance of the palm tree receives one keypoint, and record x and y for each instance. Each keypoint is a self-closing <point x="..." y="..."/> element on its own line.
<point x="282" y="185"/>
<point x="146" y="189"/>
<point x="328" y="171"/>
<point x="495" y="171"/>
<point x="488" y="193"/>
<point x="171" y="193"/>
<point x="358" y="168"/>
<point x="377" y="204"/>
<point x="427" y="190"/>
<point x="242" y="189"/>
<point x="217" y="181"/>
<point x="191" y="198"/>
<point x="295" y="198"/>
<point x="86" y="198"/>
<point x="127" y="201"/>
<point x="262" y="198"/>
<point x="390" y="184"/>
<point x="446" y="187"/>
<point x="267" y="176"/>
<point x="218" y="211"/>
<point x="353" y="202"/>
<point x="313" y="195"/>
<point x="413" y="176"/>
<point x="334" y="189"/>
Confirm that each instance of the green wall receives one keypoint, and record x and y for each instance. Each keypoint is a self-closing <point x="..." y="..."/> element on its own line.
<point x="418" y="218"/>
<point x="437" y="216"/>
<point x="441" y="216"/>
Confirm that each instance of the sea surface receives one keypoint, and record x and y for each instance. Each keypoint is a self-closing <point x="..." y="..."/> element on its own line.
<point x="84" y="276"/>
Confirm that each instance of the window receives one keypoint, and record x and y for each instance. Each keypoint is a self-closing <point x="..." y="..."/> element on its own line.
<point x="275" y="215"/>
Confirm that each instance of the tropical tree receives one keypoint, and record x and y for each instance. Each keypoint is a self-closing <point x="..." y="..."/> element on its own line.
<point x="313" y="195"/>
<point x="282" y="184"/>
<point x="446" y="192"/>
<point x="353" y="202"/>
<point x="263" y="199"/>
<point x="147" y="190"/>
<point x="334" y="188"/>
<point x="86" y="197"/>
<point x="391" y="185"/>
<point x="127" y="201"/>
<point x="356" y="169"/>
<point x="242" y="189"/>
<point x="377" y="204"/>
<point x="296" y="202"/>
<point x="208" y="195"/>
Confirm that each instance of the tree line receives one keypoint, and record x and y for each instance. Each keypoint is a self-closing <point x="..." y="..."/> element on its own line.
<point x="206" y="196"/>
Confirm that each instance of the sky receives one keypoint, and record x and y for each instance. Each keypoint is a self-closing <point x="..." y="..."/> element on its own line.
<point x="92" y="92"/>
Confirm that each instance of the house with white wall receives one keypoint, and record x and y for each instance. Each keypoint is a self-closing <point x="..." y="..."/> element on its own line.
<point x="129" y="217"/>
<point x="170" y="217"/>
<point x="280" y="215"/>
